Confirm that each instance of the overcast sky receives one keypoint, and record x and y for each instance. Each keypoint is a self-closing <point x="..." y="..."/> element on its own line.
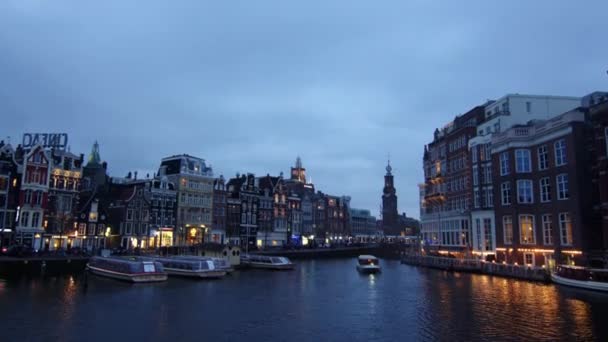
<point x="250" y="85"/>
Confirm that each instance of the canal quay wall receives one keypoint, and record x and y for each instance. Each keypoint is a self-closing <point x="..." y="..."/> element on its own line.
<point x="478" y="266"/>
<point x="39" y="265"/>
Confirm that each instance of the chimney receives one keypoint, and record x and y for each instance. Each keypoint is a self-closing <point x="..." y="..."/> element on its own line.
<point x="135" y="173"/>
<point x="104" y="165"/>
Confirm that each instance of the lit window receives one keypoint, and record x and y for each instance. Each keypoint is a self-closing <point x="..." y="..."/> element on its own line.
<point x="547" y="230"/>
<point x="565" y="229"/>
<point x="522" y="161"/>
<point x="560" y="152"/>
<point x="507" y="227"/>
<point x="562" y="187"/>
<point x="526" y="229"/>
<point x="545" y="189"/>
<point x="524" y="191"/>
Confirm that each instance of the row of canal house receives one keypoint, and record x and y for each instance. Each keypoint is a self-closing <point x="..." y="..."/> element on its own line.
<point x="531" y="176"/>
<point x="51" y="199"/>
<point x="272" y="211"/>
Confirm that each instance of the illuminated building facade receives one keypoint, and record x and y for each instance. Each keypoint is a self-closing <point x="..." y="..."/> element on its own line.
<point x="445" y="219"/>
<point x="541" y="192"/>
<point x="64" y="194"/>
<point x="194" y="185"/>
<point x="33" y="199"/>
<point x="509" y="110"/>
<point x="10" y="183"/>
<point x="91" y="216"/>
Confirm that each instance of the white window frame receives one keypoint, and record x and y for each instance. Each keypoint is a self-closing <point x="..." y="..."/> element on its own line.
<point x="522" y="162"/>
<point x="547" y="222"/>
<point x="565" y="231"/>
<point x="521" y="236"/>
<point x="562" y="158"/>
<point x="562" y="194"/>
<point x="475" y="176"/>
<point x="505" y="189"/>
<point x="504" y="163"/>
<point x="544" y="152"/>
<point x="519" y="195"/>
<point x="474" y="154"/>
<point x="545" y="189"/>
<point x="507" y="233"/>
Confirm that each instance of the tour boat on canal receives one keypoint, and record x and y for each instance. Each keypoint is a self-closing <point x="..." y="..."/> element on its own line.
<point x="368" y="264"/>
<point x="191" y="266"/>
<point x="583" y="277"/>
<point x="134" y="269"/>
<point x="266" y="262"/>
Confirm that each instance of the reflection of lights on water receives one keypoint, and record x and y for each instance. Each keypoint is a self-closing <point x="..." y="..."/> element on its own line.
<point x="372" y="279"/>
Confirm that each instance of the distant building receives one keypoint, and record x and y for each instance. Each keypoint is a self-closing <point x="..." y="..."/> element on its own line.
<point x="244" y="201"/>
<point x="194" y="184"/>
<point x="64" y="195"/>
<point x="92" y="219"/>
<point x="33" y="200"/>
<point x="218" y="233"/>
<point x="10" y="183"/>
<point x="390" y="214"/>
<point x="363" y="224"/>
<point x="129" y="210"/>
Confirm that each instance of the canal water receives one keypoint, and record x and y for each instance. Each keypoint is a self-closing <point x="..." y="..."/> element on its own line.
<point x="321" y="300"/>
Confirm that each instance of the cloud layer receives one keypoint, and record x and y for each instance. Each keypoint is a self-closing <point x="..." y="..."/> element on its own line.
<point x="249" y="85"/>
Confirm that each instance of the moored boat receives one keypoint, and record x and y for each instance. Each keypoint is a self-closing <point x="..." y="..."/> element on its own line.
<point x="196" y="267"/>
<point x="267" y="262"/>
<point x="582" y="277"/>
<point x="135" y="270"/>
<point x="368" y="264"/>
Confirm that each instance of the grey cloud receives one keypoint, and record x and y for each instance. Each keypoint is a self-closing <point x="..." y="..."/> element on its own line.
<point x="249" y="85"/>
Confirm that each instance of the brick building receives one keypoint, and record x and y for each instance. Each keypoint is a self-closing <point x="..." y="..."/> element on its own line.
<point x="445" y="221"/>
<point x="541" y="199"/>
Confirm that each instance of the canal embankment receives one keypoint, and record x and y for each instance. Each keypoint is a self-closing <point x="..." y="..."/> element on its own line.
<point x="478" y="266"/>
<point x="42" y="265"/>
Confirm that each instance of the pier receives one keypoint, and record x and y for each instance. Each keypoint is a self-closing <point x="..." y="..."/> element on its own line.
<point x="478" y="266"/>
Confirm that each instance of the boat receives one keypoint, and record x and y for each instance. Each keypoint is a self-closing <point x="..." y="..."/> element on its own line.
<point x="267" y="262"/>
<point x="218" y="263"/>
<point x="134" y="269"/>
<point x="368" y="264"/>
<point x="196" y="267"/>
<point x="582" y="277"/>
<point x="223" y="264"/>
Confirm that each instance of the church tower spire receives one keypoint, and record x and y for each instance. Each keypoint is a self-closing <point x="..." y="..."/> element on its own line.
<point x="94" y="158"/>
<point x="298" y="173"/>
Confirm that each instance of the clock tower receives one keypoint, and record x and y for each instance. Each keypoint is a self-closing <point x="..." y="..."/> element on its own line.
<point x="390" y="216"/>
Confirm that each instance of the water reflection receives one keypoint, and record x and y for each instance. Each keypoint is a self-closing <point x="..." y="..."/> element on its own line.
<point x="321" y="300"/>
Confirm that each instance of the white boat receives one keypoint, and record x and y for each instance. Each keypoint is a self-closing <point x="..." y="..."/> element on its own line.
<point x="195" y="267"/>
<point x="368" y="264"/>
<point x="586" y="278"/>
<point x="266" y="262"/>
<point x="134" y="270"/>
